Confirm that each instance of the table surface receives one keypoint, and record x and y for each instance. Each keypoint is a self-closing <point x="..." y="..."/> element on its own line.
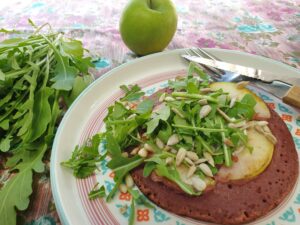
<point x="270" y="29"/>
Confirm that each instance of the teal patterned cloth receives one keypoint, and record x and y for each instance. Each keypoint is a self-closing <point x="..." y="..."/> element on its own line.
<point x="267" y="28"/>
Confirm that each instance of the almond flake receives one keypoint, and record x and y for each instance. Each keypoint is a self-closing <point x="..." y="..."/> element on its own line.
<point x="173" y="140"/>
<point x="191" y="171"/>
<point x="205" y="169"/>
<point x="180" y="156"/>
<point x="204" y="111"/>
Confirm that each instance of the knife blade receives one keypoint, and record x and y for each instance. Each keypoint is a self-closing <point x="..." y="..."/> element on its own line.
<point x="263" y="75"/>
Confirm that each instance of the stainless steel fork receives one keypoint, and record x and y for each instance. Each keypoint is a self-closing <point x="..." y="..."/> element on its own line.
<point x="277" y="88"/>
<point x="214" y="73"/>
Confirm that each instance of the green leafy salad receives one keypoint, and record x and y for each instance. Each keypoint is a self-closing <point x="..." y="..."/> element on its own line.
<point x="40" y="75"/>
<point x="183" y="133"/>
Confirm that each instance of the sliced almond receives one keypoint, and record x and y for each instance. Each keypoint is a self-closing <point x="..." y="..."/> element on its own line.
<point x="192" y="155"/>
<point x="129" y="181"/>
<point x="237" y="125"/>
<point x="206" y="170"/>
<point x="259" y="129"/>
<point x="201" y="160"/>
<point x="204" y="111"/>
<point x="205" y="90"/>
<point x="180" y="156"/>
<point x="174" y="151"/>
<point x="271" y="138"/>
<point x="173" y="140"/>
<point x="209" y="158"/>
<point x="123" y="188"/>
<point x="232" y="102"/>
<point x="266" y="129"/>
<point x="177" y="112"/>
<point x="262" y="123"/>
<point x="159" y="143"/>
<point x="191" y="171"/>
<point x="162" y="97"/>
<point x="143" y="153"/>
<point x="169" y="99"/>
<point x="169" y="160"/>
<point x="148" y="147"/>
<point x="134" y="151"/>
<point x="198" y="183"/>
<point x="190" y="162"/>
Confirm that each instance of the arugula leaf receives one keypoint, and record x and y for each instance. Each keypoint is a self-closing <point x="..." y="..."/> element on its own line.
<point x="41" y="113"/>
<point x="97" y="193"/>
<point x="64" y="74"/>
<point x="4" y="124"/>
<point x="148" y="168"/>
<point x="15" y="193"/>
<point x="119" y="111"/>
<point x="140" y="198"/>
<point x="5" y="143"/>
<point x="112" y="146"/>
<point x="172" y="174"/>
<point x="192" y="88"/>
<point x="151" y="125"/>
<point x="132" y="213"/>
<point x="131" y="94"/>
<point x="245" y="108"/>
<point x="83" y="160"/>
<point x="72" y="48"/>
<point x="30" y="108"/>
<point x="119" y="163"/>
<point x="145" y="106"/>
<point x="165" y="132"/>
<point x="80" y="83"/>
<point x="162" y="114"/>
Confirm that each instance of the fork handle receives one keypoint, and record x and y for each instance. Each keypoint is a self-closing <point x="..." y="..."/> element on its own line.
<point x="292" y="97"/>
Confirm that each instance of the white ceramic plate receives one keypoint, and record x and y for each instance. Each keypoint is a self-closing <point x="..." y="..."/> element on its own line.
<point x="85" y="116"/>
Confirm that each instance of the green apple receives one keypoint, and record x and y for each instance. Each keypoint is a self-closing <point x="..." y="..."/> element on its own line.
<point x="147" y="26"/>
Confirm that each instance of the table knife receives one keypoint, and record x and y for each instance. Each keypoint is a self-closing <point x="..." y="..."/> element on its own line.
<point x="285" y="87"/>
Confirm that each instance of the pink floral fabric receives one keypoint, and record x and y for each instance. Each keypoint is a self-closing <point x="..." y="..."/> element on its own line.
<point x="267" y="28"/>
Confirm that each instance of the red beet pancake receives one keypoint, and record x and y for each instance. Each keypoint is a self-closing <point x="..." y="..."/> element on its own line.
<point x="233" y="202"/>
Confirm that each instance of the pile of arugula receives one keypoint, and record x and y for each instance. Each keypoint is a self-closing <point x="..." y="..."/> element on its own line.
<point x="39" y="77"/>
<point x="136" y="121"/>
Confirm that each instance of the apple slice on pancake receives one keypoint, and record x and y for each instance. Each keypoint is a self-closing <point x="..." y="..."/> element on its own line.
<point x="248" y="164"/>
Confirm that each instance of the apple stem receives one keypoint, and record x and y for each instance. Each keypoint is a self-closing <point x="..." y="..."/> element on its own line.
<point x="150" y="4"/>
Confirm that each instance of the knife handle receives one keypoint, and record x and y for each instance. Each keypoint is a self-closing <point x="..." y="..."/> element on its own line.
<point x="292" y="97"/>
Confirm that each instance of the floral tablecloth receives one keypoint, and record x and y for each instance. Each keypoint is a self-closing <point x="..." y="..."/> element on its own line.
<point x="267" y="28"/>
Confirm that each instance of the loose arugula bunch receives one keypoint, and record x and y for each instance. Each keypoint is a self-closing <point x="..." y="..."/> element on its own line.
<point x="39" y="77"/>
<point x="189" y="119"/>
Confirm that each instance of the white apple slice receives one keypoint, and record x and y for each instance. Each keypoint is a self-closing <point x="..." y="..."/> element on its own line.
<point x="261" y="109"/>
<point x="249" y="164"/>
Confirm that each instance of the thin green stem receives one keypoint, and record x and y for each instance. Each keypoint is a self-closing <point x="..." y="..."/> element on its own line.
<point x="227" y="154"/>
<point x="204" y="144"/>
<point x="199" y="128"/>
<point x="194" y="96"/>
